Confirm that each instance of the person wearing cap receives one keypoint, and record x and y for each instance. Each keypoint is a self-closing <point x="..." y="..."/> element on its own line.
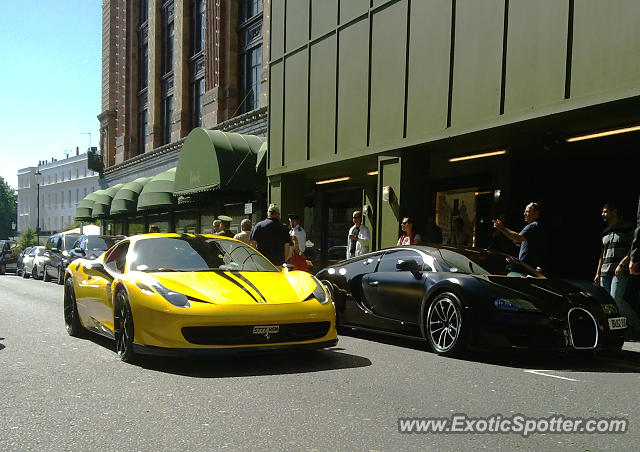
<point x="245" y="234"/>
<point x="298" y="234"/>
<point x="271" y="237"/>
<point x="225" y="223"/>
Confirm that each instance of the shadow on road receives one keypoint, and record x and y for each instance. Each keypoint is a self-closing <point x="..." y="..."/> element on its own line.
<point x="1" y="345"/>
<point x="245" y="364"/>
<point x="624" y="361"/>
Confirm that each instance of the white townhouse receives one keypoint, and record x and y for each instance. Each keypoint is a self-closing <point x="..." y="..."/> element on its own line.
<point x="62" y="184"/>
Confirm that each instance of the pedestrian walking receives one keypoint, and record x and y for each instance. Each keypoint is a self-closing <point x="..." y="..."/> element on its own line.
<point x="458" y="235"/>
<point x="271" y="237"/>
<point x="532" y="238"/>
<point x="298" y="234"/>
<point x="245" y="232"/>
<point x="612" y="271"/>
<point x="409" y="235"/>
<point x="217" y="226"/>
<point x="358" y="237"/>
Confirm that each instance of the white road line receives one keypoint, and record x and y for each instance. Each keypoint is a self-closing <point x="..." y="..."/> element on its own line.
<point x="540" y="372"/>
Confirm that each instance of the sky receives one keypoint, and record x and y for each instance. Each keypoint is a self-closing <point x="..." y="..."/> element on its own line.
<point x="50" y="81"/>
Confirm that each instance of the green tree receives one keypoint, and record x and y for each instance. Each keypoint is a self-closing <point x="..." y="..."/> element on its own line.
<point x="27" y="238"/>
<point x="8" y="209"/>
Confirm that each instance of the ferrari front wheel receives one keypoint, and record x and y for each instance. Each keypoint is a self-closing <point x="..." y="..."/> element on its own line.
<point x="444" y="327"/>
<point x="71" y="318"/>
<point x="123" y="328"/>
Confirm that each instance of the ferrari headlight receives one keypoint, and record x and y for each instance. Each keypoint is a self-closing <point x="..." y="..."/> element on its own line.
<point x="175" y="298"/>
<point x="514" y="305"/>
<point x="320" y="293"/>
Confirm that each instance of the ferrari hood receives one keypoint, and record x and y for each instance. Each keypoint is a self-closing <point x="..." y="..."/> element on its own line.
<point x="226" y="287"/>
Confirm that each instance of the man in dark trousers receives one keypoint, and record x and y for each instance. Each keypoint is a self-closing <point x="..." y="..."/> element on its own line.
<point x="271" y="237"/>
<point x="532" y="239"/>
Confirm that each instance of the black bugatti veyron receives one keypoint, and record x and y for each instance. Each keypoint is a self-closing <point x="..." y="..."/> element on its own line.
<point x="455" y="298"/>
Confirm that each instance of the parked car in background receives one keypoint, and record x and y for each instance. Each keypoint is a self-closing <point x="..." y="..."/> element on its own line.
<point x="92" y="246"/>
<point x="9" y="252"/>
<point x="57" y="256"/>
<point x="20" y="263"/>
<point x="33" y="263"/>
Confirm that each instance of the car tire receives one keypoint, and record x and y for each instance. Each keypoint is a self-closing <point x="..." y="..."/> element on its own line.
<point x="124" y="328"/>
<point x="60" y="279"/>
<point x="3" y="269"/>
<point x="444" y="325"/>
<point x="71" y="317"/>
<point x="25" y="275"/>
<point x="45" y="274"/>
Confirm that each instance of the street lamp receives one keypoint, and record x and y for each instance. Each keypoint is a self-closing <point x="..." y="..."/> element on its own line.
<point x="38" y="173"/>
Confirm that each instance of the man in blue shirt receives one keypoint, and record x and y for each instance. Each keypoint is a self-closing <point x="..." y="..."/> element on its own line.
<point x="532" y="239"/>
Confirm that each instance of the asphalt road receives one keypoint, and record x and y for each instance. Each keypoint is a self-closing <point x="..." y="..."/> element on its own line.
<point x="63" y="393"/>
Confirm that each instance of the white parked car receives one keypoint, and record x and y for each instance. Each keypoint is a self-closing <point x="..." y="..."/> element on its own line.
<point x="33" y="263"/>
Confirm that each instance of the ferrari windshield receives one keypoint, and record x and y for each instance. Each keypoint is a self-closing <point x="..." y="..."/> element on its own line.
<point x="481" y="262"/>
<point x="196" y="253"/>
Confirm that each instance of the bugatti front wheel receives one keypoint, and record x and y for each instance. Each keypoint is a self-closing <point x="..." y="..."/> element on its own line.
<point x="123" y="328"/>
<point x="444" y="325"/>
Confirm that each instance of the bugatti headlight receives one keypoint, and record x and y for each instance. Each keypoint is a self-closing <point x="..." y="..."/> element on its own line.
<point x="321" y="293"/>
<point x="175" y="298"/>
<point x="514" y="305"/>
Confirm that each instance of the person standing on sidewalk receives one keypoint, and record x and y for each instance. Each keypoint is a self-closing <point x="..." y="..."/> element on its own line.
<point x="612" y="271"/>
<point x="271" y="237"/>
<point x="532" y="238"/>
<point x="358" y="238"/>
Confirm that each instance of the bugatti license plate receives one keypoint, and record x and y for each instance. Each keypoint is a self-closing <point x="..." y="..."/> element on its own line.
<point x="618" y="323"/>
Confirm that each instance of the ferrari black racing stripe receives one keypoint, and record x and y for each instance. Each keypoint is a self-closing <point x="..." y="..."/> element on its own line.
<point x="229" y="278"/>
<point x="249" y="283"/>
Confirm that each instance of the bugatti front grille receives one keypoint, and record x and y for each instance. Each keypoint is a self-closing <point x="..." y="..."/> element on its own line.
<point x="583" y="329"/>
<point x="246" y="334"/>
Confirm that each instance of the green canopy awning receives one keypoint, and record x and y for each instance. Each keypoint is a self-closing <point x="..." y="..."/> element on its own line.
<point x="102" y="203"/>
<point x="158" y="192"/>
<point x="212" y="160"/>
<point x="126" y="200"/>
<point x="85" y="208"/>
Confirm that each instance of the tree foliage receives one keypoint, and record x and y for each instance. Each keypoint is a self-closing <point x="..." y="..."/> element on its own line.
<point x="8" y="209"/>
<point x="28" y="238"/>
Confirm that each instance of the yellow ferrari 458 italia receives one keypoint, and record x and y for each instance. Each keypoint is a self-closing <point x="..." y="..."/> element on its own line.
<point x="166" y="293"/>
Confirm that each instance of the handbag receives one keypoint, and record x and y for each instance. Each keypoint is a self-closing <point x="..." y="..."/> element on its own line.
<point x="300" y="262"/>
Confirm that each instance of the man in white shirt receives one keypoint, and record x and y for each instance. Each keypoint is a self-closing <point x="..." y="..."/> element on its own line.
<point x="297" y="233"/>
<point x="358" y="238"/>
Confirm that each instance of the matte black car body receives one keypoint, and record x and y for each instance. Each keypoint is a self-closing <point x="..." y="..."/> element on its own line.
<point x="395" y="291"/>
<point x="9" y="253"/>
<point x="92" y="246"/>
<point x="57" y="256"/>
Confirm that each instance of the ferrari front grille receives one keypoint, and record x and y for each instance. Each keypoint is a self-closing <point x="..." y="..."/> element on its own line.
<point x="244" y="334"/>
<point x="583" y="329"/>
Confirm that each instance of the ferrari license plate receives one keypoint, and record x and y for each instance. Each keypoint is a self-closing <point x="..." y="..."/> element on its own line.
<point x="267" y="329"/>
<point x="618" y="323"/>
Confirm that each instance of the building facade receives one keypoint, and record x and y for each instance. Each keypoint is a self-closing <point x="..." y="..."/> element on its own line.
<point x="171" y="67"/>
<point x="59" y="185"/>
<point x="456" y="108"/>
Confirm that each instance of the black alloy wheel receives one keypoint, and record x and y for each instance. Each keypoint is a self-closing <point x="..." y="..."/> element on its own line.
<point x="45" y="274"/>
<point x="444" y="327"/>
<point x="123" y="328"/>
<point x="60" y="279"/>
<point x="71" y="318"/>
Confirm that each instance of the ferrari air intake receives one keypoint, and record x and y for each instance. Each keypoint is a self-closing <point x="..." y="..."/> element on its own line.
<point x="583" y="329"/>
